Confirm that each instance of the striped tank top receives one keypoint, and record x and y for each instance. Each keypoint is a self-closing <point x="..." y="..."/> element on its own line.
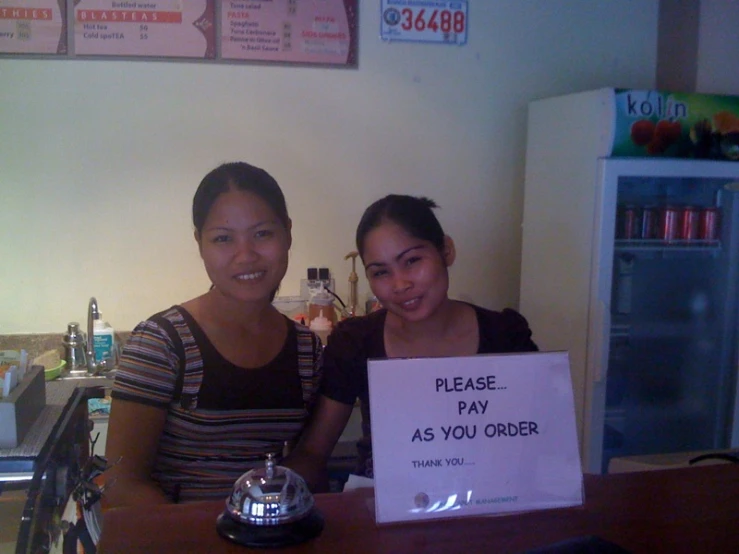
<point x="169" y="362"/>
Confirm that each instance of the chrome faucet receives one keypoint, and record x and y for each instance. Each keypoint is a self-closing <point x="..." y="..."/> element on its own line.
<point x="93" y="313"/>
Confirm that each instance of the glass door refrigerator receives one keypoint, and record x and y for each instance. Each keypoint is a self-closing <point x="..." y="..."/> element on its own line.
<point x="630" y="261"/>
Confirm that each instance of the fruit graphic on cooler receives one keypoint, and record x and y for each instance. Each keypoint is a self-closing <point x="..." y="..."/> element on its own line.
<point x="642" y="132"/>
<point x="725" y="122"/>
<point x="717" y="138"/>
<point x="666" y="133"/>
<point x="727" y="126"/>
<point x="730" y="146"/>
<point x="655" y="137"/>
<point x="702" y="137"/>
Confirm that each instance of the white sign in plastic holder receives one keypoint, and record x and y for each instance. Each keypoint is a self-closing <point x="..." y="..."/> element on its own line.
<point x="424" y="21"/>
<point x="473" y="435"/>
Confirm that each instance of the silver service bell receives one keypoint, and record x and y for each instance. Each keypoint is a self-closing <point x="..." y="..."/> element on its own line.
<point x="270" y="507"/>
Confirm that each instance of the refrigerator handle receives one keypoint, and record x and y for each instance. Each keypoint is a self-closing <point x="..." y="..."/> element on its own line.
<point x="598" y="350"/>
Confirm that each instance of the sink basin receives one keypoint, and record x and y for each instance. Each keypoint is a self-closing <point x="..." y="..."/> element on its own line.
<point x="69" y="376"/>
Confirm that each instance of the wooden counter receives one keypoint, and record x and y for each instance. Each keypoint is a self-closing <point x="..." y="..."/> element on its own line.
<point x="677" y="510"/>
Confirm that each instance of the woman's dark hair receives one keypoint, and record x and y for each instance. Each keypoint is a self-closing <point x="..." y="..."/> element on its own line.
<point x="413" y="213"/>
<point x="237" y="176"/>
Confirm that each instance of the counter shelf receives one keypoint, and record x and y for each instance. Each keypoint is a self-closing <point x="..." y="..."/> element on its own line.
<point x="47" y="463"/>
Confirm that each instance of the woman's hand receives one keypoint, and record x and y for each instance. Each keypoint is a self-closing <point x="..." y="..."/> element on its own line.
<point x="310" y="457"/>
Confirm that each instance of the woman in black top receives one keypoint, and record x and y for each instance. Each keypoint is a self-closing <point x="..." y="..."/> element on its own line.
<point x="406" y="256"/>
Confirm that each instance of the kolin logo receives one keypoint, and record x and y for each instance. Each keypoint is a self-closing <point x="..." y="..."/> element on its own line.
<point x="639" y="105"/>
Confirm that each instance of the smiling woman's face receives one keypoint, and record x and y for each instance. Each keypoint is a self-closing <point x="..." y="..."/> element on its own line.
<point x="409" y="276"/>
<point x="244" y="247"/>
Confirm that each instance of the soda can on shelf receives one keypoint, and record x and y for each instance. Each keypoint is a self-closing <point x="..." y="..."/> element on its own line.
<point x="689" y="223"/>
<point x="669" y="224"/>
<point x="649" y="223"/>
<point x="708" y="224"/>
<point x="630" y="222"/>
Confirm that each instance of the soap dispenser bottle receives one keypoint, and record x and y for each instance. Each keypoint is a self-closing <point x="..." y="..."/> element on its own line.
<point x="103" y="339"/>
<point x="321" y="326"/>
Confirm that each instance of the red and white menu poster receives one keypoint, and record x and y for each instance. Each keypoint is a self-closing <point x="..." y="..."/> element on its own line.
<point x="167" y="28"/>
<point x="300" y="31"/>
<point x="33" y="27"/>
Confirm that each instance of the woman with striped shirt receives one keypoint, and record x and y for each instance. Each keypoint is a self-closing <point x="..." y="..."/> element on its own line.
<point x="206" y="388"/>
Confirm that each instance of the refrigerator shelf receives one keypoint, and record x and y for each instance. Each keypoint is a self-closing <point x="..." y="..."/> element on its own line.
<point x="653" y="329"/>
<point x="655" y="245"/>
<point x="620" y="330"/>
<point x="616" y="417"/>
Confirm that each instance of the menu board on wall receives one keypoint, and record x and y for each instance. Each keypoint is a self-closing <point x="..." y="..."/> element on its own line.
<point x="321" y="31"/>
<point x="168" y="28"/>
<point x="33" y="27"/>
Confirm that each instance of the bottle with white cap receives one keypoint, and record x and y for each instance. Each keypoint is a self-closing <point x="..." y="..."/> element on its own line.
<point x="103" y="339"/>
<point x="321" y="326"/>
<point x="321" y="302"/>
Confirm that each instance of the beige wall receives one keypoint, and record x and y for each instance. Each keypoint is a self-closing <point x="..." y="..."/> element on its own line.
<point x="99" y="159"/>
<point x="696" y="39"/>
<point x="718" y="64"/>
<point x="677" y="45"/>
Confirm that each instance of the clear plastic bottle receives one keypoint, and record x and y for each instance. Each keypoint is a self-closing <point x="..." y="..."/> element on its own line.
<point x="321" y="326"/>
<point x="321" y="302"/>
